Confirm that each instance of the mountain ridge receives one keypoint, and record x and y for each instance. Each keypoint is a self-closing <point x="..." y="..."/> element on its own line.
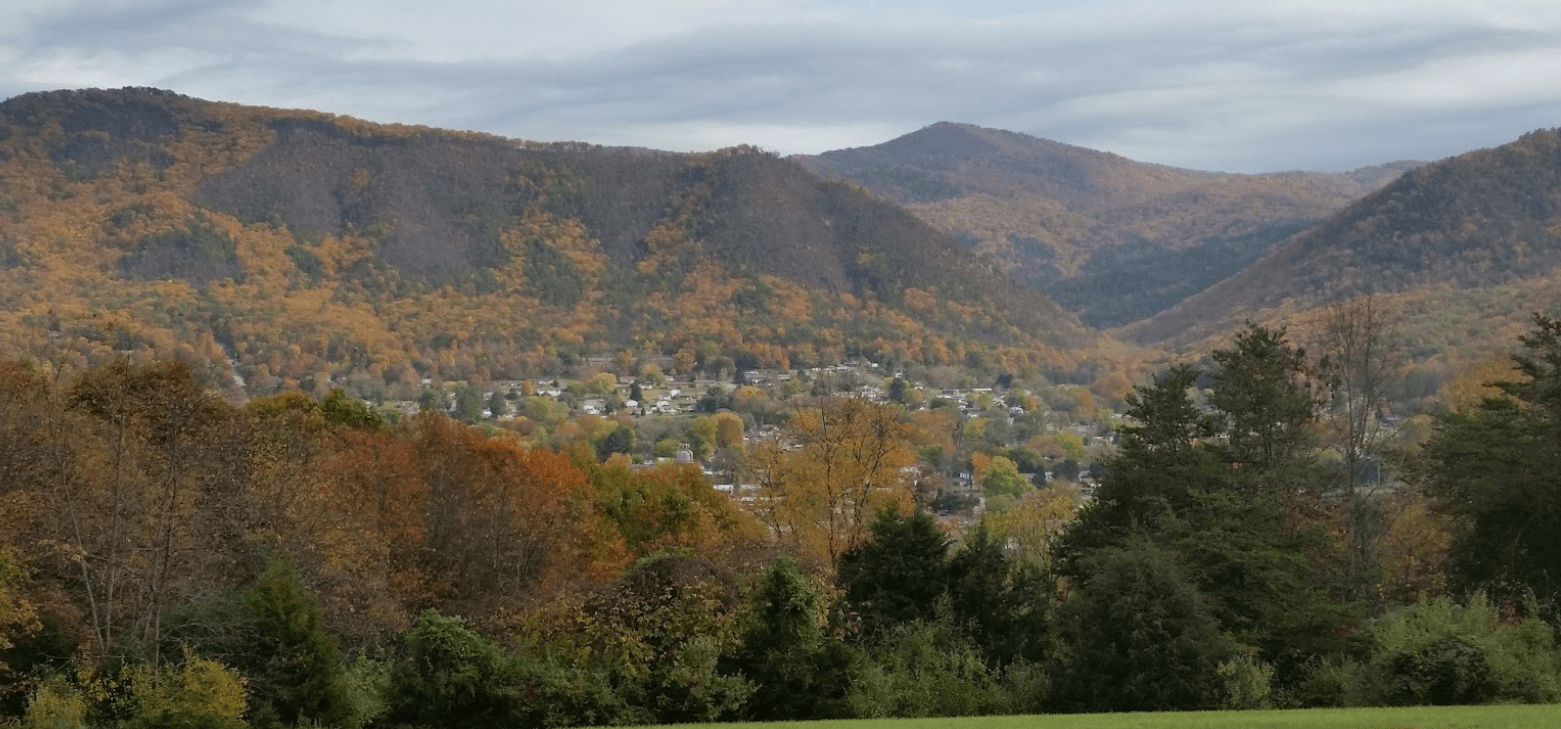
<point x="1482" y="219"/>
<point x="1110" y="238"/>
<point x="310" y="247"/>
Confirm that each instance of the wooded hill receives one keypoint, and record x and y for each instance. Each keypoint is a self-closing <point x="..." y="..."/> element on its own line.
<point x="305" y="246"/>
<point x="1459" y="250"/>
<point x="1112" y="239"/>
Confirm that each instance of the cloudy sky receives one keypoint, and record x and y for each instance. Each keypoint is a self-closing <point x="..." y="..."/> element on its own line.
<point x="1236" y="85"/>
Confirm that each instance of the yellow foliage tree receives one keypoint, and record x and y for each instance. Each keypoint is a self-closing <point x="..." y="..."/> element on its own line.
<point x="845" y="460"/>
<point x="1473" y="384"/>
<point x="201" y="693"/>
<point x="16" y="615"/>
<point x="1033" y="524"/>
<point x="728" y="430"/>
<point x="1412" y="552"/>
<point x="56" y="705"/>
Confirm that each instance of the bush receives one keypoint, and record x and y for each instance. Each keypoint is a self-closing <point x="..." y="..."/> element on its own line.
<point x="1439" y="652"/>
<point x="201" y="694"/>
<point x="1329" y="683"/>
<point x="1027" y="686"/>
<point x="56" y="705"/>
<point x="1450" y="671"/>
<point x="646" y="650"/>
<point x="368" y="690"/>
<point x="1244" y="683"/>
<point x="449" y="676"/>
<point x="554" y="694"/>
<point x="924" y="669"/>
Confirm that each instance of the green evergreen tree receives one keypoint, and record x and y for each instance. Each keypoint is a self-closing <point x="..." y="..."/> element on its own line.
<point x="898" y="389"/>
<point x="1253" y="572"/>
<point x="1199" y="485"/>
<point x="468" y="404"/>
<point x="274" y="634"/>
<point x="1138" y="637"/>
<point x="1499" y="467"/>
<point x="797" y="672"/>
<point x="899" y="575"/>
<point x="1003" y="610"/>
<point x="430" y="400"/>
<point x="1261" y="389"/>
<point x="620" y="440"/>
<point x="1161" y="461"/>
<point x="498" y="407"/>
<point x="294" y="666"/>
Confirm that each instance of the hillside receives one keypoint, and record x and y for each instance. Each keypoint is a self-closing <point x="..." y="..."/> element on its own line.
<point x="1112" y="239"/>
<point x="308" y="248"/>
<point x="1473" y="240"/>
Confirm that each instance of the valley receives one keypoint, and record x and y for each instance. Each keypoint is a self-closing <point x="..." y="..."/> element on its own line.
<point x="309" y="420"/>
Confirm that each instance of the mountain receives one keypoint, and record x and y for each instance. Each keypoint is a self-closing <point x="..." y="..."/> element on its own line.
<point x="1474" y="239"/>
<point x="1112" y="239"/>
<point x="310" y="248"/>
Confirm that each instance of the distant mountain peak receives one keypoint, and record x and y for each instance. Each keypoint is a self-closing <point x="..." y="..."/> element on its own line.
<point x="1113" y="239"/>
<point x="962" y="140"/>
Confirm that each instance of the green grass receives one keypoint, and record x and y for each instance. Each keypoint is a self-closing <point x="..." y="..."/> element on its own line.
<point x="1414" y="717"/>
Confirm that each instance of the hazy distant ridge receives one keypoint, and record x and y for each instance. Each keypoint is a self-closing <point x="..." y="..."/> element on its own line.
<point x="1113" y="239"/>
<point x="1484" y="218"/>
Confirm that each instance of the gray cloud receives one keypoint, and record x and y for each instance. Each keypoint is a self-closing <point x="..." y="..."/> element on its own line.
<point x="1217" y="87"/>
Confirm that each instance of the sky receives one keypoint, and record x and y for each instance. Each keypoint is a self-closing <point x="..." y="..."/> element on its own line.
<point x="1229" y="85"/>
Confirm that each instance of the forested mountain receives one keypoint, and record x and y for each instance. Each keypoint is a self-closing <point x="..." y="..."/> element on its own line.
<point x="1112" y="239"/>
<point x="1463" y="248"/>
<point x="307" y="247"/>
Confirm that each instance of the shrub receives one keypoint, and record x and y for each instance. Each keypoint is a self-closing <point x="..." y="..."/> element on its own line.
<point x="56" y="705"/>
<point x="923" y="669"/>
<point x="558" y="694"/>
<point x="1439" y="652"/>
<point x="449" y="676"/>
<point x="201" y="694"/>
<point x="368" y="689"/>
<point x="1329" y="683"/>
<point x="1447" y="672"/>
<point x="1244" y="683"/>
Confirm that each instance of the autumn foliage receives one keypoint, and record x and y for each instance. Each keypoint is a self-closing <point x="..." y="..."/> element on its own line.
<point x="303" y="251"/>
<point x="131" y="491"/>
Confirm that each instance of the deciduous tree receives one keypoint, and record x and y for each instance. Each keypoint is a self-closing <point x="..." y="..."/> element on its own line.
<point x="845" y="461"/>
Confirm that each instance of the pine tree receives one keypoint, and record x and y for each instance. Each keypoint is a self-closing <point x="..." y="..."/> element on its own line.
<point x="899" y="576"/>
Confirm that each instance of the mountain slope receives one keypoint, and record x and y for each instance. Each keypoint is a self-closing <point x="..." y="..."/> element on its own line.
<point x="1112" y="239"/>
<point x="309" y="248"/>
<point x="1481" y="221"/>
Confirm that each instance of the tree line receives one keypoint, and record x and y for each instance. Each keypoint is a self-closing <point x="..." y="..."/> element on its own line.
<point x="170" y="559"/>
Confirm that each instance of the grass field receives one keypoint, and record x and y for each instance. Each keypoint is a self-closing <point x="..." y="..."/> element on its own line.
<point x="1415" y="717"/>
